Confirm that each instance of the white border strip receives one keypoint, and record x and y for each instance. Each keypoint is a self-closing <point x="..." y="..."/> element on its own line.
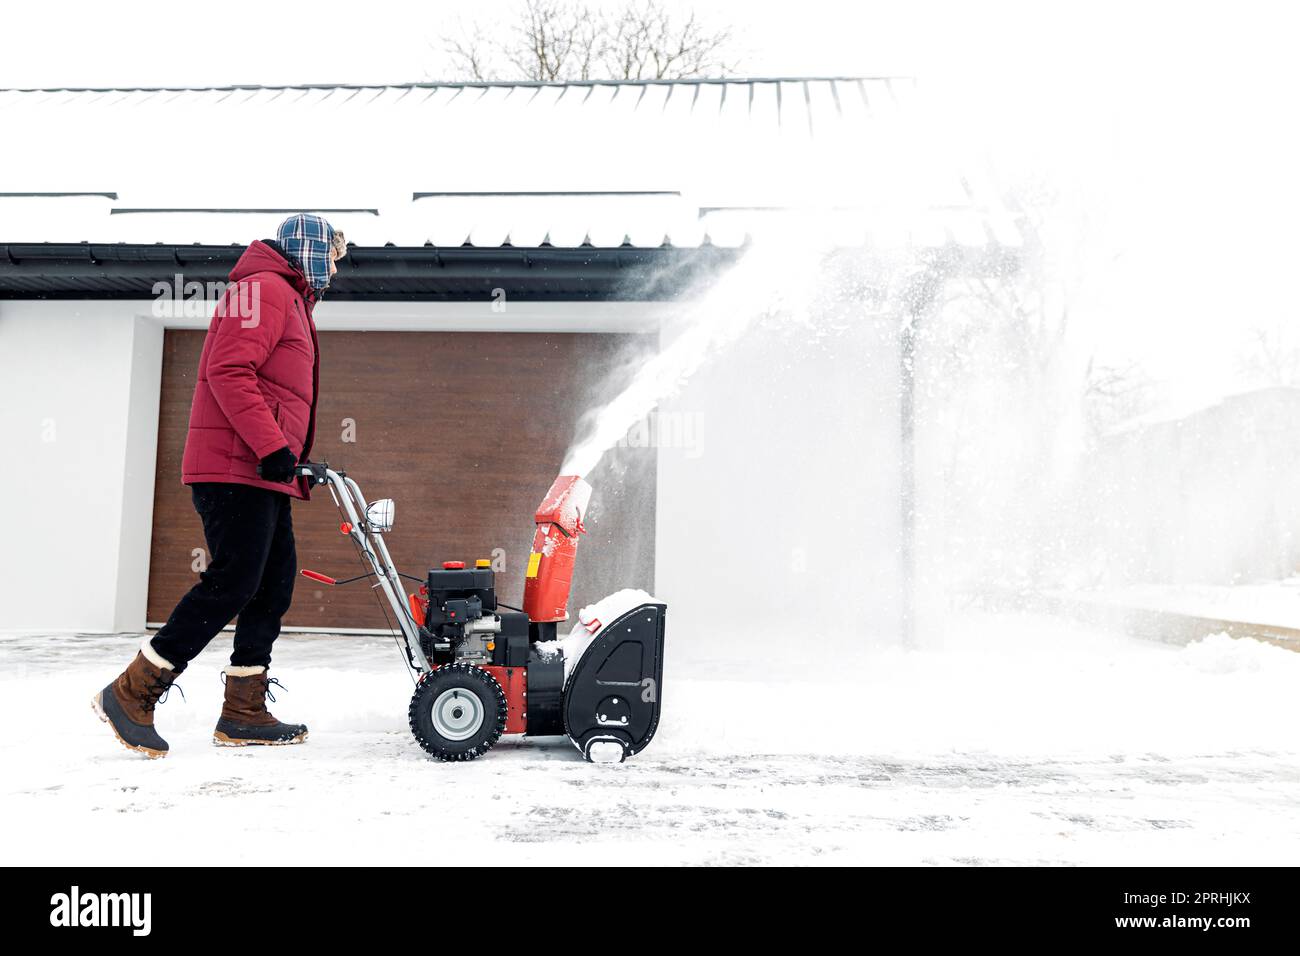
<point x="485" y="316"/>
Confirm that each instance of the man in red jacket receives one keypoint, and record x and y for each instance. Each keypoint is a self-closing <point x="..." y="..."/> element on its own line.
<point x="251" y="422"/>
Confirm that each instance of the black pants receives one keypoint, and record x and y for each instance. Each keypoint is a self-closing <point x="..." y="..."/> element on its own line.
<point x="251" y="573"/>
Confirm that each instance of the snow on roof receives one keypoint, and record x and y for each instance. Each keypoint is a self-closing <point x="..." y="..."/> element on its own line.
<point x="486" y="164"/>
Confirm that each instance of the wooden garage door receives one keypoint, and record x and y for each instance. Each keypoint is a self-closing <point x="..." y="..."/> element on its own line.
<point x="465" y="430"/>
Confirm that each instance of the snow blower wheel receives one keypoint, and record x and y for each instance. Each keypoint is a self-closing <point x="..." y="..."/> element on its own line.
<point x="458" y="712"/>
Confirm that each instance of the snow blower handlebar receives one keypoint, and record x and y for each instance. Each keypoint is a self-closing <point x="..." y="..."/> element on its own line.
<point x="364" y="524"/>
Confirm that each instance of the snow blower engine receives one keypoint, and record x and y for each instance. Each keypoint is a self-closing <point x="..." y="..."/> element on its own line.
<point x="483" y="670"/>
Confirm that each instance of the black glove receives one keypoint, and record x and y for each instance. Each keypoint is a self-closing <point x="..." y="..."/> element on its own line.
<point x="278" y="466"/>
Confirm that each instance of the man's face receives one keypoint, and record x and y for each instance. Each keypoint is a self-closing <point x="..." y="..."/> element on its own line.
<point x="338" y="249"/>
<point x="333" y="268"/>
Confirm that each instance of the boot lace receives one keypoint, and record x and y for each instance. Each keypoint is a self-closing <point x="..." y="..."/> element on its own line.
<point x="269" y="682"/>
<point x="156" y="693"/>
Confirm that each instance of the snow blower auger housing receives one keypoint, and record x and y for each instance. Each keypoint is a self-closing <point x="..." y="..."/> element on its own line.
<point x="484" y="670"/>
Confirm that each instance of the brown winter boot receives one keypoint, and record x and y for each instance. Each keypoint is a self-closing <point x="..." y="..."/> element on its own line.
<point x="127" y="704"/>
<point x="244" y="717"/>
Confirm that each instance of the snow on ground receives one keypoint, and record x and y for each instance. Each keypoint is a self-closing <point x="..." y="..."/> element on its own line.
<point x="1021" y="740"/>
<point x="1275" y="603"/>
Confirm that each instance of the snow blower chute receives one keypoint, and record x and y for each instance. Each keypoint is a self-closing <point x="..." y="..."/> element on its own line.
<point x="484" y="670"/>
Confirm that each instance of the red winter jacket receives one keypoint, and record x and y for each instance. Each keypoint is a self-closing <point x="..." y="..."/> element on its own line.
<point x="258" y="375"/>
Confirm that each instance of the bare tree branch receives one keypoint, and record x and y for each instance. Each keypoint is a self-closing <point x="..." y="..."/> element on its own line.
<point x="1275" y="359"/>
<point x="566" y="40"/>
<point x="468" y="53"/>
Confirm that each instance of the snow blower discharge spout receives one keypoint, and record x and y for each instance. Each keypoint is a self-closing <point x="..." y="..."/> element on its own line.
<point x="485" y="670"/>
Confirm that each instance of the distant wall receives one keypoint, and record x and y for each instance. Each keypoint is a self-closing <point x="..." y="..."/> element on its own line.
<point x="1210" y="498"/>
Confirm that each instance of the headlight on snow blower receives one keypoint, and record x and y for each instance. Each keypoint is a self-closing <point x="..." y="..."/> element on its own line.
<point x="379" y="515"/>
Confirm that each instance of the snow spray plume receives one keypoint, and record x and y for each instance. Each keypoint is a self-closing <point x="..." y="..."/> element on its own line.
<point x="777" y="275"/>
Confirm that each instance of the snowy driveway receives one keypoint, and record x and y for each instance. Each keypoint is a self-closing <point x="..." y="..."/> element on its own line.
<point x="1020" y="740"/>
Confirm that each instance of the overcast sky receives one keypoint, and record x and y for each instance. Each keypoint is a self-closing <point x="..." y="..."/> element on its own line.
<point x="1175" y="122"/>
<point x="148" y="42"/>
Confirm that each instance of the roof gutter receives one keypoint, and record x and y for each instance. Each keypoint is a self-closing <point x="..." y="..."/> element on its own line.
<point x="378" y="273"/>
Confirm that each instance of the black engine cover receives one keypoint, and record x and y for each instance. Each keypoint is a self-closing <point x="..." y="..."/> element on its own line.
<point x="463" y="583"/>
<point x="512" y="643"/>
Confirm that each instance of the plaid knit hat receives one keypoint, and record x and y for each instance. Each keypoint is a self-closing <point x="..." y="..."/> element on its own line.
<point x="308" y="239"/>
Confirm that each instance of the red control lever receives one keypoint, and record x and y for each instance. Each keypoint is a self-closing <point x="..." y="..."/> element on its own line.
<point x="317" y="576"/>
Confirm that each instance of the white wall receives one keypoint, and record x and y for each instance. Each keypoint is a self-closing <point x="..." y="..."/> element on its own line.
<point x="79" y="413"/>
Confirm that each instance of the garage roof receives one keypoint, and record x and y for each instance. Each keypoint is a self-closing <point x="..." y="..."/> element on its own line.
<point x="448" y="190"/>
<point x="686" y="162"/>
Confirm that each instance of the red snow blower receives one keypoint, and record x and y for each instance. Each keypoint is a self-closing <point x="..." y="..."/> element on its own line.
<point x="484" y="670"/>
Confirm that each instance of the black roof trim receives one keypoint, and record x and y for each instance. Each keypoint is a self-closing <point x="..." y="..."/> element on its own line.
<point x="121" y="211"/>
<point x="372" y="273"/>
<point x="546" y="192"/>
<point x="57" y="195"/>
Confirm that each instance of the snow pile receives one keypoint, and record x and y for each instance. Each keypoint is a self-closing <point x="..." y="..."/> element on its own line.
<point x="1221" y="654"/>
